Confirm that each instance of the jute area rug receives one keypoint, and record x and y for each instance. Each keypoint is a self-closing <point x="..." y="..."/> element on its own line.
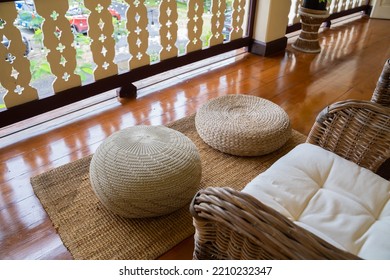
<point x="89" y="231"/>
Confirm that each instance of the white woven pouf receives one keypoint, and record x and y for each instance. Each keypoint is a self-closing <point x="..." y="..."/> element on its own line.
<point x="145" y="171"/>
<point x="243" y="125"/>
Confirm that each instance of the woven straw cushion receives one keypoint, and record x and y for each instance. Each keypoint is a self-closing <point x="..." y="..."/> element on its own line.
<point x="243" y="125"/>
<point x="145" y="171"/>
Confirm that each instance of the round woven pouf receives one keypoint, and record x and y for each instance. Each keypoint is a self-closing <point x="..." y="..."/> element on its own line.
<point x="145" y="171"/>
<point x="243" y="125"/>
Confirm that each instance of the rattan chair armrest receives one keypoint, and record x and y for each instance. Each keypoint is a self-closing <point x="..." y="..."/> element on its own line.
<point x="234" y="225"/>
<point x="356" y="130"/>
<point x="381" y="93"/>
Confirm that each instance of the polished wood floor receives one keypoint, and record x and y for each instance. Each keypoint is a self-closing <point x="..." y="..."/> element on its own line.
<point x="303" y="84"/>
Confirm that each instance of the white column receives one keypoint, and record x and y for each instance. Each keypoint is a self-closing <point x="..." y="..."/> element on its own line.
<point x="271" y="20"/>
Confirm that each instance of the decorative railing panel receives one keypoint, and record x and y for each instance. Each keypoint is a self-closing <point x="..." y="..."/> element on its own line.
<point x="336" y="6"/>
<point x="195" y="23"/>
<point x="58" y="41"/>
<point x="15" y="71"/>
<point x="238" y="16"/>
<point x="102" y="41"/>
<point x="52" y="47"/>
<point x="137" y="23"/>
<point x="168" y="29"/>
<point x="217" y="19"/>
<point x="333" y="6"/>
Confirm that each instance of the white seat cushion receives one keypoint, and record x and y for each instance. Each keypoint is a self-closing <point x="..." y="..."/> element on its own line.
<point x="337" y="200"/>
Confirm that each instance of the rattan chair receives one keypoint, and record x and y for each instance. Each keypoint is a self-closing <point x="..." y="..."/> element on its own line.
<point x="234" y="225"/>
<point x="382" y="91"/>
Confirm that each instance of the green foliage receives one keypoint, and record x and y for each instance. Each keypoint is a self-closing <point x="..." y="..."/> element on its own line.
<point x="120" y="29"/>
<point x="181" y="5"/>
<point x="152" y="3"/>
<point x="84" y="70"/>
<point x="79" y="53"/>
<point x="206" y="39"/>
<point x="87" y="68"/>
<point x="79" y="2"/>
<point x="182" y="49"/>
<point x="154" y="57"/>
<point x="39" y="68"/>
<point x="30" y="20"/>
<point x="38" y="37"/>
<point x="82" y="39"/>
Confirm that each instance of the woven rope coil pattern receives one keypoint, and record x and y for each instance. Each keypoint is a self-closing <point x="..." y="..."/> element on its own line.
<point x="145" y="171"/>
<point x="243" y="125"/>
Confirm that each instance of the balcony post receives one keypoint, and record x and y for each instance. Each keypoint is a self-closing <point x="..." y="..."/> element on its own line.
<point x="271" y="20"/>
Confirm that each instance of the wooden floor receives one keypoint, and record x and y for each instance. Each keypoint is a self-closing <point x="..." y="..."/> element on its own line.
<point x="303" y="84"/>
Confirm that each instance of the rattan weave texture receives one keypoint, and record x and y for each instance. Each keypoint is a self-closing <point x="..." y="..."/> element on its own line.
<point x="356" y="130"/>
<point x="234" y="225"/>
<point x="382" y="90"/>
<point x="145" y="171"/>
<point x="243" y="125"/>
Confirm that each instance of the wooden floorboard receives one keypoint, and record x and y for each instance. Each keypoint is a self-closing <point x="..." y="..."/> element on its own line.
<point x="348" y="67"/>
